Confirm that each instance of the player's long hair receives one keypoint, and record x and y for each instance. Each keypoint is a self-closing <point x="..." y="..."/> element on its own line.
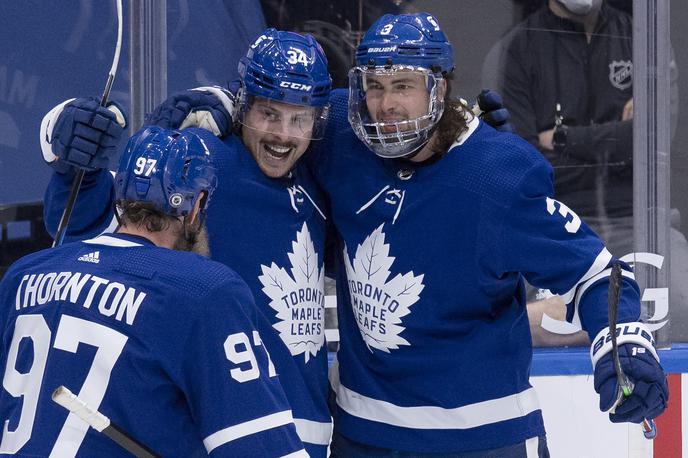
<point x="143" y="214"/>
<point x="452" y="123"/>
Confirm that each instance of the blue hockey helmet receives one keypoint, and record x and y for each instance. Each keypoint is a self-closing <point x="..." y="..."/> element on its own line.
<point x="287" y="67"/>
<point x="415" y="45"/>
<point x="406" y="39"/>
<point x="166" y="168"/>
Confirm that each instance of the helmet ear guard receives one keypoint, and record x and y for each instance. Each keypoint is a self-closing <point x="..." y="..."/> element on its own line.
<point x="393" y="44"/>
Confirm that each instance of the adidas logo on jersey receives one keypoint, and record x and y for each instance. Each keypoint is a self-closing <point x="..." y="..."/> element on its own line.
<point x="91" y="257"/>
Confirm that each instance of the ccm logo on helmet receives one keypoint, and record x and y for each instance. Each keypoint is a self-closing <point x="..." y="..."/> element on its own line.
<point x="297" y="86"/>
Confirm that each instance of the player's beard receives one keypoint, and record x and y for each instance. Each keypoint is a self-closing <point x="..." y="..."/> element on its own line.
<point x="193" y="239"/>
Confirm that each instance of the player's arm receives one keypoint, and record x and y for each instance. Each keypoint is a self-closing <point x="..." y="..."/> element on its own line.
<point x="556" y="250"/>
<point x="230" y="383"/>
<point x="554" y="308"/>
<point x="597" y="143"/>
<point x="80" y="134"/>
<point x="207" y="107"/>
<point x="516" y="93"/>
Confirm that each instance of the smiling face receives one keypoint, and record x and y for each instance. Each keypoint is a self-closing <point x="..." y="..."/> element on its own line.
<point x="400" y="96"/>
<point x="277" y="134"/>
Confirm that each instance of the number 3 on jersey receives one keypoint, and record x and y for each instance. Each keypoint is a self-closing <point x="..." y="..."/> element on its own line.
<point x="573" y="221"/>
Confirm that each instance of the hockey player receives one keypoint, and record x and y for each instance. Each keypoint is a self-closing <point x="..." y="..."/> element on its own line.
<point x="162" y="341"/>
<point x="266" y="220"/>
<point x="439" y="228"/>
<point x="373" y="318"/>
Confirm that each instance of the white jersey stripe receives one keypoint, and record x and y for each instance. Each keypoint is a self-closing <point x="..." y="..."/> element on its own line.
<point x="597" y="266"/>
<point x="314" y="432"/>
<point x="300" y="454"/>
<point x="605" y="273"/>
<point x="433" y="417"/>
<point x="532" y="447"/>
<point x="113" y="222"/>
<point x="473" y="124"/>
<point x="247" y="428"/>
<point x="111" y="241"/>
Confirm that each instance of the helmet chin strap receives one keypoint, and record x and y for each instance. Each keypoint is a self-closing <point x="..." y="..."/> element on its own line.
<point x="191" y="230"/>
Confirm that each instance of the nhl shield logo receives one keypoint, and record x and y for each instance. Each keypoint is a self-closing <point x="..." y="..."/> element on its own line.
<point x="621" y="74"/>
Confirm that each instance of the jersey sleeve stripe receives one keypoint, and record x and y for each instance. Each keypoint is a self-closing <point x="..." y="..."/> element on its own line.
<point x="113" y="222"/>
<point x="299" y="454"/>
<point x="313" y="432"/>
<point x="247" y="428"/>
<point x="597" y="266"/>
<point x="605" y="273"/>
<point x="434" y="417"/>
<point x="585" y="286"/>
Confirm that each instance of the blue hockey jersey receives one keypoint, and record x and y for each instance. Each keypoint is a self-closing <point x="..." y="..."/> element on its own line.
<point x="162" y="342"/>
<point x="270" y="231"/>
<point x="435" y="347"/>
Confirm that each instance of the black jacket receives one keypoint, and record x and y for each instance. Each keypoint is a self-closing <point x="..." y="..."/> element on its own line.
<point x="549" y="60"/>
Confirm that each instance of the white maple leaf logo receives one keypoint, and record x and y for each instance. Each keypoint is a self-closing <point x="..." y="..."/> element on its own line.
<point x="298" y="298"/>
<point x="378" y="304"/>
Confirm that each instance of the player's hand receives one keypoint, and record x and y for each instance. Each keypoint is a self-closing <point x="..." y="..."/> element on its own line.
<point x="492" y="111"/>
<point x="546" y="140"/>
<point x="641" y="365"/>
<point x="209" y="108"/>
<point x="82" y="134"/>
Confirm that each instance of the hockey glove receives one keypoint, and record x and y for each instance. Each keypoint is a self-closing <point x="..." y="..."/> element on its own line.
<point x="209" y="107"/>
<point x="80" y="133"/>
<point x="640" y="363"/>
<point x="492" y="111"/>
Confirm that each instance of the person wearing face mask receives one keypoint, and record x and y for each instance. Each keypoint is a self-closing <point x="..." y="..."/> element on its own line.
<point x="567" y="78"/>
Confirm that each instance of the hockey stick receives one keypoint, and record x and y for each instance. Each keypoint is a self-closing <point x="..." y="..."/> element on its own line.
<point x="100" y="422"/>
<point x="624" y="385"/>
<point x="79" y="176"/>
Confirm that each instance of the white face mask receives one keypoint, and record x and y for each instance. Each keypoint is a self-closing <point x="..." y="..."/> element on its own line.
<point x="578" y="7"/>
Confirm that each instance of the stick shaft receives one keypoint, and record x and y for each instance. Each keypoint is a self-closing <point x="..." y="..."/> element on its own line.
<point x="128" y="443"/>
<point x="625" y="386"/>
<point x="79" y="175"/>
<point x="96" y="420"/>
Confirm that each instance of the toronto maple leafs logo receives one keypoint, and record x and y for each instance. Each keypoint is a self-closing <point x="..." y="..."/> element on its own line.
<point x="378" y="304"/>
<point x="298" y="298"/>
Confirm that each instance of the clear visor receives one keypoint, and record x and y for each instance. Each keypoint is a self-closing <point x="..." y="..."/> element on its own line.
<point x="283" y="119"/>
<point x="394" y="109"/>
